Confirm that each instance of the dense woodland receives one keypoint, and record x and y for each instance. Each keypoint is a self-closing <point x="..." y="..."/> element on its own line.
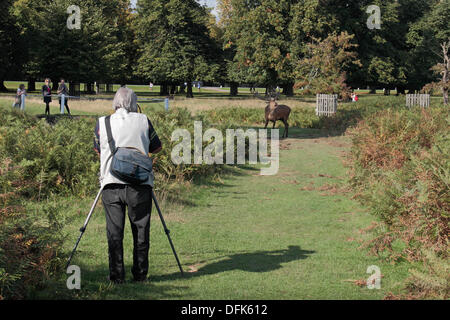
<point x="318" y="45"/>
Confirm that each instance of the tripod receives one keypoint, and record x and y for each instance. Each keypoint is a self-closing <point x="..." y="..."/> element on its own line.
<point x="83" y="229"/>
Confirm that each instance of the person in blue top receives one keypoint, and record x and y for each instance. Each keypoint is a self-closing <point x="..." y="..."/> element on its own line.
<point x="62" y="89"/>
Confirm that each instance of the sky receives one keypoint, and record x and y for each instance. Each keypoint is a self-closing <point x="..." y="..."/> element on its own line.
<point x="209" y="3"/>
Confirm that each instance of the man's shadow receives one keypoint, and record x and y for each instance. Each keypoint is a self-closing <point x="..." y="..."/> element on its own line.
<point x="260" y="261"/>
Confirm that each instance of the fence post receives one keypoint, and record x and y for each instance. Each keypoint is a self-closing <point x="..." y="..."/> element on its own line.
<point x="166" y="104"/>
<point x="317" y="103"/>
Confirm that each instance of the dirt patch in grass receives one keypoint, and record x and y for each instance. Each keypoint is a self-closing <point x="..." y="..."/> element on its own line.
<point x="326" y="190"/>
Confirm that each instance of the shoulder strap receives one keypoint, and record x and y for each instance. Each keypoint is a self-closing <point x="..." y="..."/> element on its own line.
<point x="112" y="144"/>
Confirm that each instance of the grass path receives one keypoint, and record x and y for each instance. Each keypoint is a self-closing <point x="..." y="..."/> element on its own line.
<point x="290" y="236"/>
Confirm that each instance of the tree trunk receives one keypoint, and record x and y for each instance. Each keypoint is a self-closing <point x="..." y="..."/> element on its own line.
<point x="31" y="84"/>
<point x="445" y="94"/>
<point x="2" y="86"/>
<point x="189" y="93"/>
<point x="182" y="88"/>
<point x="234" y="88"/>
<point x="373" y="90"/>
<point x="401" y="90"/>
<point x="270" y="89"/>
<point x="445" y="72"/>
<point x="90" y="88"/>
<point x="163" y="89"/>
<point x="288" y="89"/>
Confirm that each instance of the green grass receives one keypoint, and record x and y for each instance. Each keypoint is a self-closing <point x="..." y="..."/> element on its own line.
<point x="38" y="108"/>
<point x="35" y="108"/>
<point x="248" y="236"/>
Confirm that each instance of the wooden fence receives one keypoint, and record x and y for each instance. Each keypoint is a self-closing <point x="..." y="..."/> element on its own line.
<point x="422" y="100"/>
<point x="326" y="104"/>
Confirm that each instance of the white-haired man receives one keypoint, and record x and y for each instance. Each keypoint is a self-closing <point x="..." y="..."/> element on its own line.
<point x="130" y="129"/>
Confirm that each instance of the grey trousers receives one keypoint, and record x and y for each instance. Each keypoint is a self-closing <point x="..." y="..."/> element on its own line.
<point x="138" y="200"/>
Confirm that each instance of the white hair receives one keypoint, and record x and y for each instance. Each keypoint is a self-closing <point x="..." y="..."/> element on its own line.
<point x="125" y="98"/>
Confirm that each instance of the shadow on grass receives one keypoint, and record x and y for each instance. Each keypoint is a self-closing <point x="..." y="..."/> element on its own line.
<point x="224" y="171"/>
<point x="259" y="261"/>
<point x="95" y="285"/>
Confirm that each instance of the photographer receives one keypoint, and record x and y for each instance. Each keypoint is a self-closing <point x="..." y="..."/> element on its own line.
<point x="129" y="130"/>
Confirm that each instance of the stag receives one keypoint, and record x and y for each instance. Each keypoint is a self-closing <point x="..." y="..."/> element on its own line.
<point x="276" y="112"/>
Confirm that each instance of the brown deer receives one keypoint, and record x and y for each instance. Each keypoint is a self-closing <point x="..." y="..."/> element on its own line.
<point x="276" y="112"/>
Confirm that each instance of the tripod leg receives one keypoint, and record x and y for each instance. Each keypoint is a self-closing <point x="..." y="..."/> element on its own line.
<point x="167" y="231"/>
<point x="83" y="229"/>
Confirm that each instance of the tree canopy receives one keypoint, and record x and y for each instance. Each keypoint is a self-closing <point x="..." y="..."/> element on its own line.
<point x="174" y="42"/>
<point x="256" y="42"/>
<point x="95" y="52"/>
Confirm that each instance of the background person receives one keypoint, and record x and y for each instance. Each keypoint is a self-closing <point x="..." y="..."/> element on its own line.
<point x="62" y="89"/>
<point x="47" y="94"/>
<point x="20" y="92"/>
<point x="129" y="129"/>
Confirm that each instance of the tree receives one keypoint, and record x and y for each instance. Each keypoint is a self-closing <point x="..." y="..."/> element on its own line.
<point x="10" y="44"/>
<point x="443" y="69"/>
<point x="174" y="43"/>
<point x="94" y="52"/>
<point x="257" y="33"/>
<point x="431" y="35"/>
<point x="323" y="68"/>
